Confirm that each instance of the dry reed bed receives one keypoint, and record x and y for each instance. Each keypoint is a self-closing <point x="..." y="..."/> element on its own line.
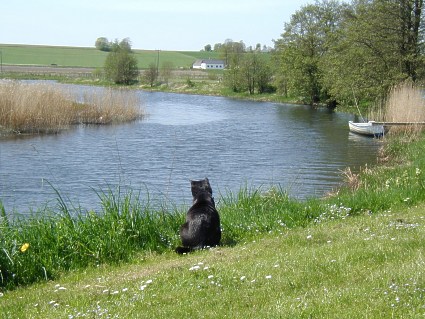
<point x="405" y="103"/>
<point x="32" y="108"/>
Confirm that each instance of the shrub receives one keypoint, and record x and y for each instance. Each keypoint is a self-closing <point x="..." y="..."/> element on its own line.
<point x="121" y="65"/>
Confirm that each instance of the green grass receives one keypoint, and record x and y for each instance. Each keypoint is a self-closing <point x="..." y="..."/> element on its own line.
<point x="48" y="55"/>
<point x="363" y="267"/>
<point x="91" y="57"/>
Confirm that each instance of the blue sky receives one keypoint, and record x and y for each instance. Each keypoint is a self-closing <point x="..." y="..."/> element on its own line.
<point x="150" y="24"/>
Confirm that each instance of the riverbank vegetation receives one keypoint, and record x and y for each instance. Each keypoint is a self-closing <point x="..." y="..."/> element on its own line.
<point x="28" y="108"/>
<point x="357" y="253"/>
<point x="63" y="238"/>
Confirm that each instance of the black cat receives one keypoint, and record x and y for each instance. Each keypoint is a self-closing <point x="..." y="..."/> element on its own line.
<point x="202" y="226"/>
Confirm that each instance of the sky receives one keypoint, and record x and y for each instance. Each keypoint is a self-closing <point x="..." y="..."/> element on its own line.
<point x="181" y="25"/>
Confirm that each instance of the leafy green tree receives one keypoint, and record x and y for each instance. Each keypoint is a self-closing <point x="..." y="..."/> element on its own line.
<point x="207" y="48"/>
<point x="232" y="51"/>
<point x="121" y="64"/>
<point x="379" y="44"/>
<point x="102" y="44"/>
<point x="303" y="47"/>
<point x="251" y="74"/>
<point x="217" y="47"/>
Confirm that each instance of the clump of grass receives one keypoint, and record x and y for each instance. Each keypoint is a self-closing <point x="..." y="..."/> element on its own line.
<point x="109" y="107"/>
<point x="33" y="108"/>
<point x="405" y="103"/>
<point x="61" y="239"/>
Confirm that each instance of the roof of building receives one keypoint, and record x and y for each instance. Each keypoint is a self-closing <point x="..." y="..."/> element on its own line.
<point x="209" y="61"/>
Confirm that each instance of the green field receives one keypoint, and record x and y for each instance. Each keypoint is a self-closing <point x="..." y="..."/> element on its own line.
<point x="91" y="57"/>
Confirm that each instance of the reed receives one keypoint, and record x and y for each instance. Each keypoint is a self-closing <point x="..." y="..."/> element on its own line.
<point x="405" y="103"/>
<point x="110" y="106"/>
<point x="33" y="108"/>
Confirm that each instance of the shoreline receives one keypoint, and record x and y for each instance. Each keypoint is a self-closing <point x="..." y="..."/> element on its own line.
<point x="188" y="81"/>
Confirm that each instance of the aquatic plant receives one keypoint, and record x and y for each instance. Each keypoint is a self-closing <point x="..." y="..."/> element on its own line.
<point x="34" y="108"/>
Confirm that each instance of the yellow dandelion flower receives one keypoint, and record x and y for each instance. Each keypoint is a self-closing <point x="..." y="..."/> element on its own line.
<point x="24" y="247"/>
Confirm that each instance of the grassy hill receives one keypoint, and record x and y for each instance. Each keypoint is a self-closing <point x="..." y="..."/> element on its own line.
<point x="91" y="57"/>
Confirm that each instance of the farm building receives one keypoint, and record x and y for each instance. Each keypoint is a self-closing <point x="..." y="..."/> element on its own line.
<point x="208" y="64"/>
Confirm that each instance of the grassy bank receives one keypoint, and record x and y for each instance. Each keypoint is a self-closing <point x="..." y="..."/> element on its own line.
<point x="62" y="239"/>
<point x="370" y="266"/>
<point x="28" y="108"/>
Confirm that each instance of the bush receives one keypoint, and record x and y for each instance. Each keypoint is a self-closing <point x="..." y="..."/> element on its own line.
<point x="121" y="65"/>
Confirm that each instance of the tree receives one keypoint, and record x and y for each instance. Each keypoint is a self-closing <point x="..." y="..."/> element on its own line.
<point x="303" y="48"/>
<point x="217" y="47"/>
<point x="378" y="45"/>
<point x="251" y="74"/>
<point x="103" y="44"/>
<point x="232" y="51"/>
<point x="207" y="48"/>
<point x="120" y="64"/>
<point x="166" y="70"/>
<point x="151" y="74"/>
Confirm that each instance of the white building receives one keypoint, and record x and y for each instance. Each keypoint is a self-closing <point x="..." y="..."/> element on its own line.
<point x="208" y="64"/>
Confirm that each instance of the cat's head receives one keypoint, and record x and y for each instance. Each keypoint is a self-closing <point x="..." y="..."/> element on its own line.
<point x="200" y="186"/>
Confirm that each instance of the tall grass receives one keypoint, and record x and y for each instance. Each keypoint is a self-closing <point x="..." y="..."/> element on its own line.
<point x="28" y="108"/>
<point x="405" y="103"/>
<point x="110" y="106"/>
<point x="35" y="108"/>
<point x="61" y="239"/>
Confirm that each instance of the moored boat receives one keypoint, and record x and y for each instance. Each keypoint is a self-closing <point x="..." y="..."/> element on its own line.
<point x="369" y="128"/>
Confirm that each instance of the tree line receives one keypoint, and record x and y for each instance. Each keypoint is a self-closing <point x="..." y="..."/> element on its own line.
<point x="330" y="52"/>
<point x="337" y="52"/>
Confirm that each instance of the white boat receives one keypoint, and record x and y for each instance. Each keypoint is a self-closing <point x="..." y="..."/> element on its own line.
<point x="370" y="128"/>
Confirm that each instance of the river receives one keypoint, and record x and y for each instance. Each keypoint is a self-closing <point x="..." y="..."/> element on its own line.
<point x="234" y="143"/>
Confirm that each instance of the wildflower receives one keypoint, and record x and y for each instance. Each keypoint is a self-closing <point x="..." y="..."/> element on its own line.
<point x="268" y="277"/>
<point x="24" y="247"/>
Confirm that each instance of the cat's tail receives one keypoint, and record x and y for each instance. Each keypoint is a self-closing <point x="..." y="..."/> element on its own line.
<point x="183" y="250"/>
